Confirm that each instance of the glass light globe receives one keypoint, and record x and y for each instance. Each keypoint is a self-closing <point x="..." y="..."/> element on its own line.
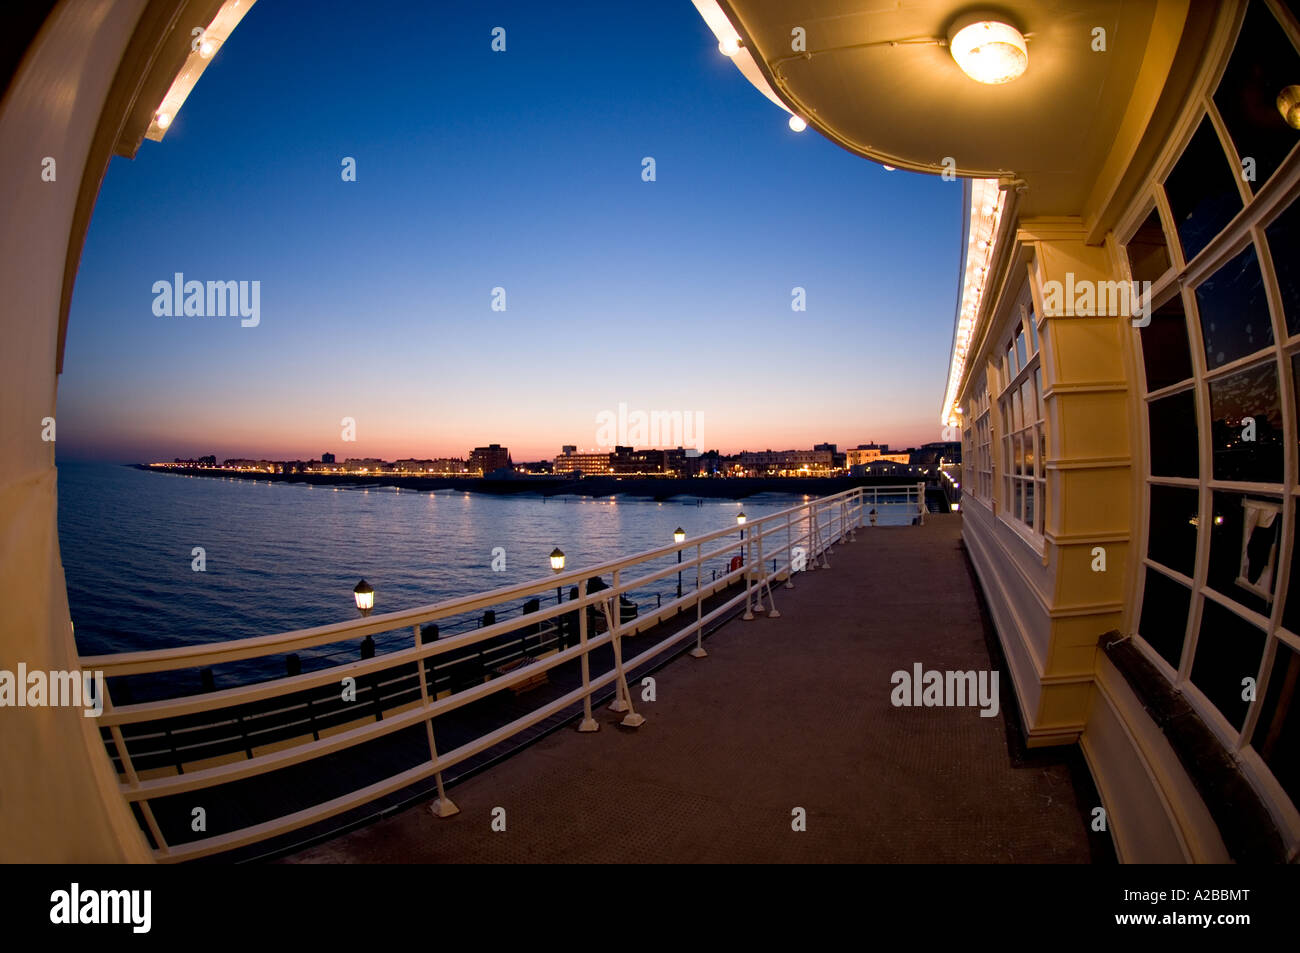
<point x="989" y="51"/>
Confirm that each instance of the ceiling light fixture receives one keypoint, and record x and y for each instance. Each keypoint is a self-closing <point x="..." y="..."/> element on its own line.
<point x="988" y="50"/>
<point x="1288" y="104"/>
<point x="797" y="124"/>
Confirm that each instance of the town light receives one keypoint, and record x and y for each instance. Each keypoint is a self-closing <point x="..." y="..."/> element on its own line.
<point x="988" y="50"/>
<point x="798" y="124"/>
<point x="740" y="519"/>
<point x="679" y="535"/>
<point x="557" y="560"/>
<point x="364" y="594"/>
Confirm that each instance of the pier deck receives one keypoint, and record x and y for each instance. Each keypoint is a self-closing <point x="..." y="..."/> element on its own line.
<point x="785" y="713"/>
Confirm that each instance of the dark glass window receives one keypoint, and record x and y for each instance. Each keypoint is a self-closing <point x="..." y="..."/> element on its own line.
<point x="1165" y="353"/>
<point x="1165" y="603"/>
<point x="1148" y="255"/>
<point x="1171" y="536"/>
<point x="1284" y="247"/>
<point x="1235" y="400"/>
<point x="1234" y="311"/>
<point x="1020" y="347"/>
<point x="1277" y="733"/>
<point x="1228" y="650"/>
<point x="1173" y="436"/>
<point x="1245" y="533"/>
<point x="1291" y="611"/>
<point x="1202" y="191"/>
<point x="1263" y="63"/>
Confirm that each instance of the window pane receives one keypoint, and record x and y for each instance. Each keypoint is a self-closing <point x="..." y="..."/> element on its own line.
<point x="1284" y="246"/>
<point x="1038" y="389"/>
<point x="1017" y="507"/>
<point x="1291" y="611"/>
<point x="1165" y="353"/>
<point x="1173" y="435"/>
<point x="1252" y="394"/>
<point x="1011" y="363"/>
<point x="1202" y="191"/>
<point x="1148" y="255"/>
<point x="1019" y="449"/>
<point x="1277" y="734"/>
<point x="1027" y="402"/>
<point x="1020" y="346"/>
<point x="1043" y="503"/>
<point x="1165" y="603"/>
<point x="1234" y="312"/>
<point x="1017" y="420"/>
<point x="1263" y="63"/>
<point x="1228" y="649"/>
<point x="1030" y="442"/>
<point x="1244" y="535"/>
<point x="1033" y="333"/>
<point x="1171" y="533"/>
<point x="1029" y="503"/>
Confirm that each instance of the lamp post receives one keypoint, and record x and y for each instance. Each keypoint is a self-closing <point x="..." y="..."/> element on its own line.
<point x="557" y="566"/>
<point x="679" y="536"/>
<point x="364" y="594"/>
<point x="740" y="521"/>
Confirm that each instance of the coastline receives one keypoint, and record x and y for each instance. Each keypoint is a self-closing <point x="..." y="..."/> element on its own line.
<point x="655" y="488"/>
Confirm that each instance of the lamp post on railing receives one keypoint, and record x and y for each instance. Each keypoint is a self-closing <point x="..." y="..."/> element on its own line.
<point x="679" y="537"/>
<point x="557" y="566"/>
<point x="364" y="594"/>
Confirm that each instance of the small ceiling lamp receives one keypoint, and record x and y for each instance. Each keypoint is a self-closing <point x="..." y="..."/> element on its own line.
<point x="163" y="119"/>
<point x="1288" y="104"/>
<point x="730" y="47"/>
<point x="988" y="50"/>
<point x="798" y="124"/>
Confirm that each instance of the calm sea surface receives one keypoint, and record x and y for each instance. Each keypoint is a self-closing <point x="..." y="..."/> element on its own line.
<point x="286" y="556"/>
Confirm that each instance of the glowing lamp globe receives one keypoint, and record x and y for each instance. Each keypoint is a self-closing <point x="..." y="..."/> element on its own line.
<point x="557" y="560"/>
<point x="988" y="51"/>
<point x="364" y="594"/>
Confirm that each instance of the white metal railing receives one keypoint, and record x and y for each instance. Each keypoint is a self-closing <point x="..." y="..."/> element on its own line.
<point x="798" y="538"/>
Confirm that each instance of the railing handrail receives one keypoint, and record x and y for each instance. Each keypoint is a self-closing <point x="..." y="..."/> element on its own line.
<point x="233" y="650"/>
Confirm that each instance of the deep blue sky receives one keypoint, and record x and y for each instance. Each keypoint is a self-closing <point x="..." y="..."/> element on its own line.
<point x="522" y="170"/>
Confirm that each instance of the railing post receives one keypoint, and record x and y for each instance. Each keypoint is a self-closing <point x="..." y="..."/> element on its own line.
<point x="764" y="580"/>
<point x="133" y="779"/>
<point x="789" y="551"/>
<point x="622" y="696"/>
<point x="588" y="723"/>
<point x="920" y="504"/>
<point x="746" y="568"/>
<point x="442" y="805"/>
<point x="698" y="651"/>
